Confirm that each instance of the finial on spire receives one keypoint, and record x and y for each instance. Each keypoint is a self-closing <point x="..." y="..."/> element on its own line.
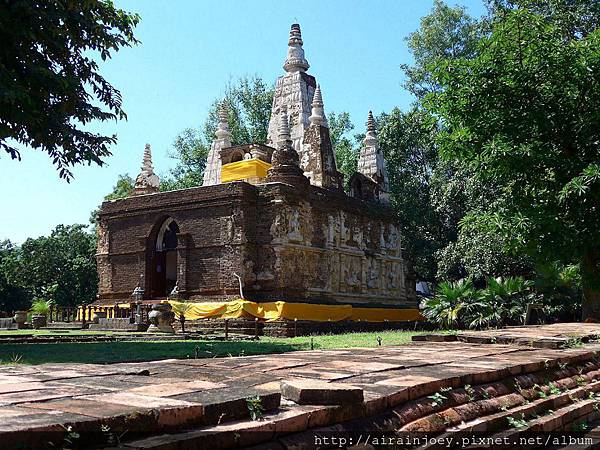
<point x="147" y="181"/>
<point x="371" y="136"/>
<point x="371" y="123"/>
<point x="222" y="131"/>
<point x="317" y="115"/>
<point x="295" y="62"/>
<point x="284" y="126"/>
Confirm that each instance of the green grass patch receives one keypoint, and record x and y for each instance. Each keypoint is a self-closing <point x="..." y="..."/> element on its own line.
<point x="112" y="352"/>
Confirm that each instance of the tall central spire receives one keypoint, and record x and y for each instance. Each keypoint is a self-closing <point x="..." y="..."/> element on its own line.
<point x="295" y="61"/>
<point x="294" y="92"/>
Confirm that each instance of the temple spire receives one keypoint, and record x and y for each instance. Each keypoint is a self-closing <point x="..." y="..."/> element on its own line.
<point x="212" y="172"/>
<point x="223" y="125"/>
<point x="370" y="139"/>
<point x="317" y="115"/>
<point x="285" y="162"/>
<point x="283" y="132"/>
<point x="295" y="61"/>
<point x="147" y="182"/>
<point x="371" y="162"/>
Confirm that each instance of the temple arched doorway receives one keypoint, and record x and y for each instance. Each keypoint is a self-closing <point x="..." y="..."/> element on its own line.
<point x="164" y="261"/>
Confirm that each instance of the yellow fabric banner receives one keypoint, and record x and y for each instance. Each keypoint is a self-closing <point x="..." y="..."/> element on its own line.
<point x="241" y="170"/>
<point x="290" y="311"/>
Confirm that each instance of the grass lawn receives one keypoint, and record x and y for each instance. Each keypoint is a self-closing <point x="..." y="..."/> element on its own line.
<point x="110" y="352"/>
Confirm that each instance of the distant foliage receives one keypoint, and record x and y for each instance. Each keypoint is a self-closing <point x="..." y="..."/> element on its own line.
<point x="59" y="268"/>
<point x="445" y="33"/>
<point x="50" y="81"/>
<point x="13" y="296"/>
<point x="345" y="146"/>
<point x="407" y="141"/>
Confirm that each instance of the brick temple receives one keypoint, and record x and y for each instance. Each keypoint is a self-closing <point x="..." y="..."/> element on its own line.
<point x="271" y="219"/>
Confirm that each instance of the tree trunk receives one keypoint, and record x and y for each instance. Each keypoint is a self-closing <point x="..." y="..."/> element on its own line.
<point x="590" y="281"/>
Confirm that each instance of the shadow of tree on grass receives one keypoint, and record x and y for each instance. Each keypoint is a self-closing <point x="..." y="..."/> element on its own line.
<point x="112" y="352"/>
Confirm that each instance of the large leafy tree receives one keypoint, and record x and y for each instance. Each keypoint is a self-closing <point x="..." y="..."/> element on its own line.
<point x="524" y="114"/>
<point x="60" y="267"/>
<point x="12" y="296"/>
<point x="445" y="33"/>
<point x="408" y="143"/>
<point x="50" y="84"/>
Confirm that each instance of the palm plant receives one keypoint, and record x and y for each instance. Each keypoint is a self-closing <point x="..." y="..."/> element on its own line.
<point x="450" y="299"/>
<point x="503" y="301"/>
<point x="41" y="307"/>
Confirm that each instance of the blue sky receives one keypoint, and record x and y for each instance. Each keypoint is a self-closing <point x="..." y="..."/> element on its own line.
<point x="189" y="50"/>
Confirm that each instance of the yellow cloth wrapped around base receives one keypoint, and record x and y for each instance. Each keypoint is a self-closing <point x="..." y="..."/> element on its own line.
<point x="284" y="310"/>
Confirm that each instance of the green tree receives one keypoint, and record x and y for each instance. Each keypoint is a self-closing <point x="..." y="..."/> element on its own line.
<point x="60" y="267"/>
<point x="443" y="191"/>
<point x="408" y="143"/>
<point x="50" y="82"/>
<point x="524" y="113"/>
<point x="445" y="33"/>
<point x="345" y="147"/>
<point x="12" y="296"/>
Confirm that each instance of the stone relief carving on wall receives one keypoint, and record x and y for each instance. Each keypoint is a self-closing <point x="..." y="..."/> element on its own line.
<point x="292" y="225"/>
<point x="227" y="230"/>
<point x="373" y="273"/>
<point x="361" y="255"/>
<point x="294" y="234"/>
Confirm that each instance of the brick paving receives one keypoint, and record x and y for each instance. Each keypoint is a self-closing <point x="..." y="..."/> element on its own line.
<point x="165" y="404"/>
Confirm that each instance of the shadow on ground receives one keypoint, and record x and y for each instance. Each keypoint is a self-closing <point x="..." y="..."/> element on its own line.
<point x="110" y="352"/>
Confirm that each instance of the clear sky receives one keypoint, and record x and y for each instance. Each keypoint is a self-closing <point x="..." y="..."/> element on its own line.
<point x="189" y="50"/>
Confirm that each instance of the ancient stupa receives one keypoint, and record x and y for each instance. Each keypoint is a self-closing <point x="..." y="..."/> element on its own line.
<point x="271" y="218"/>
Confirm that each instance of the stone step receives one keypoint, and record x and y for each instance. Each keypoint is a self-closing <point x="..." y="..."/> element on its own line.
<point x="462" y="406"/>
<point x="132" y="413"/>
<point x="63" y="326"/>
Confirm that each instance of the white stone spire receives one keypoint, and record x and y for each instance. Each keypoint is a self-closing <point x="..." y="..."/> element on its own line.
<point x="283" y="131"/>
<point x="295" y="61"/>
<point x="223" y="126"/>
<point x="294" y="90"/>
<point x="371" y="162"/>
<point x="212" y="171"/>
<point x="147" y="181"/>
<point x="317" y="116"/>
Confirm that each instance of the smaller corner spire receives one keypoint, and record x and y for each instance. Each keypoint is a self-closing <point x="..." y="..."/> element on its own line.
<point x="222" y="131"/>
<point x="371" y="136"/>
<point x="317" y="116"/>
<point x="147" y="182"/>
<point x="295" y="61"/>
<point x="371" y="126"/>
<point x="283" y="131"/>
<point x="147" y="160"/>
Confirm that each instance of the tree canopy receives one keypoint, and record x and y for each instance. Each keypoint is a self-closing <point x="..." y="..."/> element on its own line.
<point x="60" y="267"/>
<point x="524" y="114"/>
<point x="50" y="82"/>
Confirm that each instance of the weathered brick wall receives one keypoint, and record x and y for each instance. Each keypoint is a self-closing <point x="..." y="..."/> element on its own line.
<point x="211" y="244"/>
<point x="286" y="243"/>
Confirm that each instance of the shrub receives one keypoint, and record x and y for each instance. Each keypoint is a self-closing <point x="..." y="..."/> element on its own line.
<point x="41" y="307"/>
<point x="459" y="304"/>
<point x="450" y="298"/>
